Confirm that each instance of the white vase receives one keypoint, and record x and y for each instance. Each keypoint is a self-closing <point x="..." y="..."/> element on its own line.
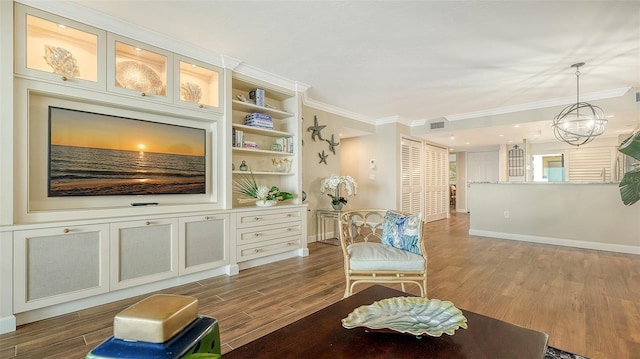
<point x="269" y="203"/>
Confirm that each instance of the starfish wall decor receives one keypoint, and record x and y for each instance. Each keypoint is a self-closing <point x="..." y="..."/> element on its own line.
<point x="332" y="144"/>
<point x="315" y="129"/>
<point x="323" y="157"/>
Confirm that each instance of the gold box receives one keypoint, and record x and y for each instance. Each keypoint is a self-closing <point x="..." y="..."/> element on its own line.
<point x="155" y="319"/>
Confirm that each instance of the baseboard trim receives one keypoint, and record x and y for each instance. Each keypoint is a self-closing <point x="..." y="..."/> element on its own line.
<point x="84" y="303"/>
<point x="8" y="324"/>
<point x="619" y="248"/>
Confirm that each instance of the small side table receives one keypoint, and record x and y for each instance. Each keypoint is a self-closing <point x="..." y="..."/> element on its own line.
<point x="322" y="215"/>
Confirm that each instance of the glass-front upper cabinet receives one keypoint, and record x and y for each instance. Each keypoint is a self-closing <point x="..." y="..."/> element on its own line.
<point x="198" y="85"/>
<point x="134" y="68"/>
<point x="57" y="49"/>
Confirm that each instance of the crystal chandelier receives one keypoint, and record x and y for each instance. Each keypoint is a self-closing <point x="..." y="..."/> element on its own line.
<point x="579" y="123"/>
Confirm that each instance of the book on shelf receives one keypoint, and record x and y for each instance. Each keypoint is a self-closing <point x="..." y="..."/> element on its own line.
<point x="286" y="144"/>
<point x="237" y="138"/>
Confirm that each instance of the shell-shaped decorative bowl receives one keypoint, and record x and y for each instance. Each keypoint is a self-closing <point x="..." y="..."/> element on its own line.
<point x="138" y="77"/>
<point x="61" y="61"/>
<point x="412" y="315"/>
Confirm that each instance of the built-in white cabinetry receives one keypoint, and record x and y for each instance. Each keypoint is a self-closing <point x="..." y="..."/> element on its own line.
<point x="197" y="85"/>
<point x="264" y="233"/>
<point x="143" y="251"/>
<point x="271" y="153"/>
<point x="138" y="69"/>
<point x="204" y="242"/>
<point x="55" y="49"/>
<point x="59" y="264"/>
<point x="73" y="253"/>
<point x="52" y="48"/>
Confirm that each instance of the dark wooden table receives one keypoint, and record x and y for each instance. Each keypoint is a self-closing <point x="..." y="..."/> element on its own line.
<point x="321" y="335"/>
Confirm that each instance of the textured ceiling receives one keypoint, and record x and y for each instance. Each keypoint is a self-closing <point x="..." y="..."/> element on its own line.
<point x="416" y="60"/>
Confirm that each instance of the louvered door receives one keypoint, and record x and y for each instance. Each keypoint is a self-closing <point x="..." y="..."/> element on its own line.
<point x="591" y="164"/>
<point x="436" y="170"/>
<point x="411" y="176"/>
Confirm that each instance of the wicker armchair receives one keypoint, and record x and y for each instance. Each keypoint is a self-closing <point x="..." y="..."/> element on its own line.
<point x="367" y="260"/>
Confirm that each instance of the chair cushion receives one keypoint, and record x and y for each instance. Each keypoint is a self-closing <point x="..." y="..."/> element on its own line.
<point x="377" y="256"/>
<point x="402" y="232"/>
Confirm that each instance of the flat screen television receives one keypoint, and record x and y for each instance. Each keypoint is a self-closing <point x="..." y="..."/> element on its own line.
<point x="92" y="154"/>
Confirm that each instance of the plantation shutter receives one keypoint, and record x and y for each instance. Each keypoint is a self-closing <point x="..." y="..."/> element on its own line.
<point x="411" y="176"/>
<point x="436" y="161"/>
<point x="591" y="164"/>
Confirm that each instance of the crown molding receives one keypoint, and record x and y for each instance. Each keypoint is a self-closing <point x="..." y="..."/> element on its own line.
<point x="540" y="104"/>
<point x="318" y="105"/>
<point x="271" y="78"/>
<point x="229" y="62"/>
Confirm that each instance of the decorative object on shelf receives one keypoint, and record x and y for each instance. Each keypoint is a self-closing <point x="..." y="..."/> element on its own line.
<point x="233" y="166"/>
<point x="61" y="61"/>
<point x="271" y="107"/>
<point x="304" y="196"/>
<point x="630" y="185"/>
<point x="191" y="92"/>
<point x="276" y="147"/>
<point x="247" y="186"/>
<point x="579" y="123"/>
<point x="257" y="95"/>
<point x="259" y="120"/>
<point x="139" y="77"/>
<point x="315" y="129"/>
<point x="281" y="165"/>
<point x="335" y="183"/>
<point x="332" y="144"/>
<point x="323" y="157"/>
<point x="244" y="99"/>
<point x="408" y="315"/>
<point x="268" y="203"/>
<point x="243" y="166"/>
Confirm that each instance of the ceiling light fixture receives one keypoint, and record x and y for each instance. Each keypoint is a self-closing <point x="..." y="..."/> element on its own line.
<point x="579" y="123"/>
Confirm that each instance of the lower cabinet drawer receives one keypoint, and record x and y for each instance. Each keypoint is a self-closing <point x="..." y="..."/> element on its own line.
<point x="263" y="249"/>
<point x="268" y="232"/>
<point x="269" y="216"/>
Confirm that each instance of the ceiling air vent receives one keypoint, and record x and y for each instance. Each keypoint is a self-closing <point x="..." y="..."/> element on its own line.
<point x="437" y="125"/>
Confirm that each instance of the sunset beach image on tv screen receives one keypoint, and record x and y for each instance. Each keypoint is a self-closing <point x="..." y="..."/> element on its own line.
<point x="92" y="154"/>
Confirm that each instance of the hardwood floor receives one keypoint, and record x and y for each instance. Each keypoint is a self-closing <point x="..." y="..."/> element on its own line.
<point x="586" y="300"/>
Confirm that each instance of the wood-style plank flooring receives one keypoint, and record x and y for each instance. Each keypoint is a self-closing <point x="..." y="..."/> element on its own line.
<point x="587" y="301"/>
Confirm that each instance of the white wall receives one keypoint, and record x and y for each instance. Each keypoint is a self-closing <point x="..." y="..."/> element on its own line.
<point x="580" y="215"/>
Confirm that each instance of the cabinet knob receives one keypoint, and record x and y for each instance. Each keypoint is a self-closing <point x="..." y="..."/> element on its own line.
<point x="256" y="218"/>
<point x="64" y="78"/>
<point x="147" y="223"/>
<point x="143" y="94"/>
<point x="257" y="235"/>
<point x="66" y="230"/>
<point x="257" y="250"/>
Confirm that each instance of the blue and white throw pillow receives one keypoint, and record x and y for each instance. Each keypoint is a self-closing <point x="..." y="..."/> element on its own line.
<point x="402" y="232"/>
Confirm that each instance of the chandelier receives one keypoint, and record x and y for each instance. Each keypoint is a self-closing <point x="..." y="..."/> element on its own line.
<point x="579" y="123"/>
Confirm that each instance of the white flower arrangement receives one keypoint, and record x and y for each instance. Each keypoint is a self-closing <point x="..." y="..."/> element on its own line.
<point x="334" y="182"/>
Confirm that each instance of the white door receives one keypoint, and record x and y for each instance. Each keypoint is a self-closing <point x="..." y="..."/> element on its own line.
<point x="482" y="167"/>
<point x="411" y="176"/>
<point x="436" y="176"/>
